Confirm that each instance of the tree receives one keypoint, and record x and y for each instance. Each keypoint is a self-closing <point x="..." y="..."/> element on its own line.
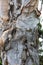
<point x="19" y="32"/>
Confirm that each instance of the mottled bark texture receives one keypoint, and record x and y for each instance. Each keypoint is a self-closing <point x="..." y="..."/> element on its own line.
<point x="18" y="32"/>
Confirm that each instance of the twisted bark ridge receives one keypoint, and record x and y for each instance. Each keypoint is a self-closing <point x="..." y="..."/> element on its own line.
<point x="18" y="32"/>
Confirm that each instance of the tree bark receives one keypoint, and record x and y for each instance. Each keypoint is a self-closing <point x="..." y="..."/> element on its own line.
<point x="22" y="36"/>
<point x="4" y="10"/>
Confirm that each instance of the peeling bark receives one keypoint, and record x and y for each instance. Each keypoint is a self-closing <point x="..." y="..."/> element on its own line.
<point x="18" y="43"/>
<point x="4" y="10"/>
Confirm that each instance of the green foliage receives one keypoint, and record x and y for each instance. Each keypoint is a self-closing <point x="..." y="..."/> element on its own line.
<point x="0" y="62"/>
<point x="40" y="50"/>
<point x="40" y="33"/>
<point x="41" y="60"/>
<point x="39" y="25"/>
<point x="39" y="29"/>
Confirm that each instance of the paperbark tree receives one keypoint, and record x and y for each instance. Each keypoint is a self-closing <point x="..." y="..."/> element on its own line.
<point x="4" y="10"/>
<point x="23" y="37"/>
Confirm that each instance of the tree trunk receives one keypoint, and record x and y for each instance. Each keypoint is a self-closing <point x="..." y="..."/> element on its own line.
<point x="19" y="37"/>
<point x="4" y="9"/>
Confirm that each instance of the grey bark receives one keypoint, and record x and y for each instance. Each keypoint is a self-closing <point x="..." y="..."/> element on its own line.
<point x="19" y="37"/>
